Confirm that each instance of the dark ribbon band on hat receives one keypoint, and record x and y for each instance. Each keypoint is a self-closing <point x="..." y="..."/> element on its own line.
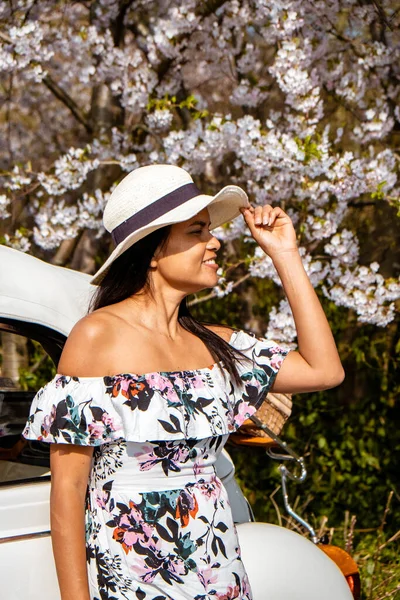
<point x="153" y="211"/>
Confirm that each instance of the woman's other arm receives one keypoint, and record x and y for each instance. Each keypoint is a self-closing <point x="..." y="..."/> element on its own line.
<point x="84" y="354"/>
<point x="70" y="467"/>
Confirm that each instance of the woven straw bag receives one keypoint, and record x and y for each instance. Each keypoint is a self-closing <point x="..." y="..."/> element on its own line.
<point x="274" y="412"/>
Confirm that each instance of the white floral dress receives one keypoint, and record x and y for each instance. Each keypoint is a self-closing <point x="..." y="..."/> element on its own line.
<point x="158" y="521"/>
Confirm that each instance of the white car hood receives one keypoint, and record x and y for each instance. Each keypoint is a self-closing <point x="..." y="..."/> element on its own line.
<point x="34" y="291"/>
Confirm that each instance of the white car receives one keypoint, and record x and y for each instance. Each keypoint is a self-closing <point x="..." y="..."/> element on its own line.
<point x="41" y="303"/>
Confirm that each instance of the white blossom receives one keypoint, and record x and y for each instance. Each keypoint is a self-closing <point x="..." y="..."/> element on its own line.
<point x="18" y="241"/>
<point x="17" y="179"/>
<point x="70" y="171"/>
<point x="224" y="287"/>
<point x="281" y="326"/>
<point x="300" y="105"/>
<point x="263" y="267"/>
<point x="4" y="205"/>
<point x="344" y="246"/>
<point x="159" y="120"/>
<point x="365" y="291"/>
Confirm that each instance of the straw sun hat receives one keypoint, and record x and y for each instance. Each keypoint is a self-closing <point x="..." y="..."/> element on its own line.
<point x="158" y="195"/>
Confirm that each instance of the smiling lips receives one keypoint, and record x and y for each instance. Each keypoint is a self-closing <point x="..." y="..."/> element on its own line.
<point x="211" y="263"/>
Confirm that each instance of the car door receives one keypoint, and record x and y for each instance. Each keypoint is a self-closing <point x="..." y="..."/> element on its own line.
<point x="26" y="562"/>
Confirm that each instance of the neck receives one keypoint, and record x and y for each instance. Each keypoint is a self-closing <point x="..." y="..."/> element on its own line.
<point x="158" y="312"/>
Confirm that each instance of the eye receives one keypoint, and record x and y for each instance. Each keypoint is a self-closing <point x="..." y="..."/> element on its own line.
<point x="197" y="232"/>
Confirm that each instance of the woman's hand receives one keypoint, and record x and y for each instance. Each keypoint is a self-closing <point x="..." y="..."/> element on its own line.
<point x="271" y="228"/>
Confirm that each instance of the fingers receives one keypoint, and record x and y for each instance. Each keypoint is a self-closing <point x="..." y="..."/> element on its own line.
<point x="263" y="215"/>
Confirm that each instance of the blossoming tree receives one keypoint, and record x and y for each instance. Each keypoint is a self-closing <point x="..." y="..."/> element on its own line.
<point x="295" y="100"/>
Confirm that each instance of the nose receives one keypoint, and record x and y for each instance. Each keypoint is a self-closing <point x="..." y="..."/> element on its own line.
<point x="213" y="243"/>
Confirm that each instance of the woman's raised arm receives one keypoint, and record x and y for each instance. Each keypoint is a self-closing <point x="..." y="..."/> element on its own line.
<point x="316" y="365"/>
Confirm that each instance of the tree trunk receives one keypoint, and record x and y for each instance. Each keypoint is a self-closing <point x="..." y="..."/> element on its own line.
<point x="251" y="321"/>
<point x="14" y="352"/>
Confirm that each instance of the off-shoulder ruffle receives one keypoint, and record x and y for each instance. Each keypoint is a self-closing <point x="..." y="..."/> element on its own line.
<point x="197" y="404"/>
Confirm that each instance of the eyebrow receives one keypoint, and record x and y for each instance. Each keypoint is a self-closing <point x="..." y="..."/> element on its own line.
<point x="202" y="223"/>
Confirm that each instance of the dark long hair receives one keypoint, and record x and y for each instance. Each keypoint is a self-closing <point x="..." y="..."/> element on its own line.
<point x="129" y="274"/>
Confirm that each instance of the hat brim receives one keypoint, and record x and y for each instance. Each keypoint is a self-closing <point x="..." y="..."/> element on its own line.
<point x="223" y="207"/>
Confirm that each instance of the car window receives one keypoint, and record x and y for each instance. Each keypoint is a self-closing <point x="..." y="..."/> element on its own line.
<point x="24" y="368"/>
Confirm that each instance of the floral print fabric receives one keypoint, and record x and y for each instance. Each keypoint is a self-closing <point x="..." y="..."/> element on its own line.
<point x="158" y="521"/>
<point x="152" y="538"/>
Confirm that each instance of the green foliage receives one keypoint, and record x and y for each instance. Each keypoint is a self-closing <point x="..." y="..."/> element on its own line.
<point x="379" y="562"/>
<point x="170" y="103"/>
<point x="40" y="368"/>
<point x="310" y="147"/>
<point x="379" y="194"/>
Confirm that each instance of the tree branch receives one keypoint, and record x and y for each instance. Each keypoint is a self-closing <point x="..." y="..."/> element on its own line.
<point x="213" y="294"/>
<point x="117" y="27"/>
<point x="382" y="14"/>
<point x="206" y="8"/>
<point x="59" y="93"/>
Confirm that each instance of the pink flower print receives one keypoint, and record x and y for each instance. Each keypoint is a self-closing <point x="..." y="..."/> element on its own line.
<point x="211" y="489"/>
<point x="177" y="565"/>
<point x="144" y="452"/>
<point x="157" y="557"/>
<point x="276" y="362"/>
<point x="131" y="528"/>
<point x="196" y="382"/>
<point x="245" y="410"/>
<point x="167" y="454"/>
<point x="198" y="468"/>
<point x="207" y="576"/>
<point x="163" y="384"/>
<point x="108" y="421"/>
<point x="200" y="462"/>
<point x="232" y="593"/>
<point x="96" y="430"/>
<point x="62" y="380"/>
<point x="123" y="384"/>
<point x="102" y="498"/>
<point x="148" y="575"/>
<point x="179" y="383"/>
<point x="48" y="421"/>
<point x="157" y="381"/>
<point x="170" y="394"/>
<point x="246" y="589"/>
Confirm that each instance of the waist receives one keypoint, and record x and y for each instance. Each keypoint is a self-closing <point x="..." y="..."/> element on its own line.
<point x="127" y="480"/>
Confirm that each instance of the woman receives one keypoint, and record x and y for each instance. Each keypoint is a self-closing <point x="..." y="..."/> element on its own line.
<point x="145" y="397"/>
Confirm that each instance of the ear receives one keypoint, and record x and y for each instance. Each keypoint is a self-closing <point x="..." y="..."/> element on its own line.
<point x="154" y="261"/>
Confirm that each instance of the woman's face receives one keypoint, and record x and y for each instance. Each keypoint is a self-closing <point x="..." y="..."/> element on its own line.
<point x="187" y="261"/>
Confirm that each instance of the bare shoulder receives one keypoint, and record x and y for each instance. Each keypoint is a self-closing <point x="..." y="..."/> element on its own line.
<point x="223" y="331"/>
<point x="87" y="348"/>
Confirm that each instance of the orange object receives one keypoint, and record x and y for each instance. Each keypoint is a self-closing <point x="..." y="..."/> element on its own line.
<point x="347" y="565"/>
<point x="244" y="439"/>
